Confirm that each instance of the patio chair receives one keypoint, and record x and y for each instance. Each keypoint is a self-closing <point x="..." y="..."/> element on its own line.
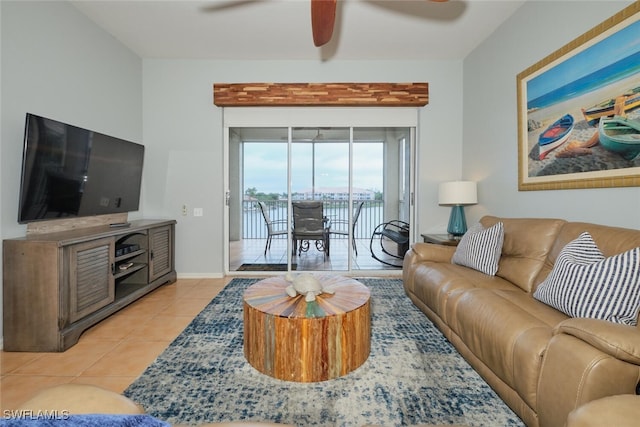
<point x="389" y="233"/>
<point x="340" y="227"/>
<point x="309" y="223"/>
<point x="274" y="228"/>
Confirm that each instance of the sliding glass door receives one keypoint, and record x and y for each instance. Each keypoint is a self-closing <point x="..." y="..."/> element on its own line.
<point x="320" y="172"/>
<point x="258" y="219"/>
<point x="360" y="177"/>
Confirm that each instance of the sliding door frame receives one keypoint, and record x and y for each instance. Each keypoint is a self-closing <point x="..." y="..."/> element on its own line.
<point x="290" y="117"/>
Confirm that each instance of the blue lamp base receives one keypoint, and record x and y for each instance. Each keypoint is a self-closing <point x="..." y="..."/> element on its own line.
<point x="457" y="222"/>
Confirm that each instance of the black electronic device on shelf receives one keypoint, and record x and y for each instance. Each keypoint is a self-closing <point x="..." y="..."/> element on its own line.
<point x="125" y="248"/>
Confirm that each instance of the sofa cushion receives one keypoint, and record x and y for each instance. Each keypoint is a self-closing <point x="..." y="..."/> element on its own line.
<point x="620" y="411"/>
<point x="480" y="248"/>
<point x="527" y="243"/>
<point x="440" y="284"/>
<point x="610" y="240"/>
<point x="583" y="283"/>
<point x="508" y="330"/>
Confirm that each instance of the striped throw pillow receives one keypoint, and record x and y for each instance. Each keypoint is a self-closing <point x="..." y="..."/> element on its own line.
<point x="583" y="283"/>
<point x="481" y="248"/>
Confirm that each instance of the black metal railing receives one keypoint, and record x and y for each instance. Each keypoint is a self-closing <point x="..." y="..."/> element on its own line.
<point x="253" y="225"/>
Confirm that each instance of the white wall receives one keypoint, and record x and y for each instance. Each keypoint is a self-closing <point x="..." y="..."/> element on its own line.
<point x="490" y="117"/>
<point x="184" y="137"/>
<point x="58" y="64"/>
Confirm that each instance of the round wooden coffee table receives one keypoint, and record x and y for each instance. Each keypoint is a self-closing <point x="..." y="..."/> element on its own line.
<point x="290" y="339"/>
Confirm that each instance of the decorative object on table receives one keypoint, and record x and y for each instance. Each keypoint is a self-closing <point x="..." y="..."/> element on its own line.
<point x="457" y="194"/>
<point x="305" y="284"/>
<point x="607" y="57"/>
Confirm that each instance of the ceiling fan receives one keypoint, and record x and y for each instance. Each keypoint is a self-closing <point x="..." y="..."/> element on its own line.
<point x="323" y="13"/>
<point x="319" y="134"/>
<point x="306" y="135"/>
<point x="323" y="16"/>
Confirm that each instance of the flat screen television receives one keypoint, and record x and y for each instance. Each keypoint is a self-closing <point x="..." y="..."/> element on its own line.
<point x="70" y="172"/>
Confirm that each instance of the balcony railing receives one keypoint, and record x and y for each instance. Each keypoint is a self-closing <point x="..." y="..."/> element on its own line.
<point x="253" y="226"/>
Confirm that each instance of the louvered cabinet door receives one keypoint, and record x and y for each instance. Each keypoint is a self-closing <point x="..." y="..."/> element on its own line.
<point x="160" y="251"/>
<point x="91" y="283"/>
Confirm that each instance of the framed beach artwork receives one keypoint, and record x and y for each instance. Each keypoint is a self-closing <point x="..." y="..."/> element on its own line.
<point x="579" y="111"/>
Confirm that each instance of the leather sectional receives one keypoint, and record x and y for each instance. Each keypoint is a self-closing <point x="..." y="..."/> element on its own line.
<point x="541" y="362"/>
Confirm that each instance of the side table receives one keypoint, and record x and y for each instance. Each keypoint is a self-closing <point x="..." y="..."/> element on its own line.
<point x="440" y="239"/>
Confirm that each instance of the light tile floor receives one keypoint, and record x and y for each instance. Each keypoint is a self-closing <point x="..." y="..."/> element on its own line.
<point x="253" y="251"/>
<point x="113" y="353"/>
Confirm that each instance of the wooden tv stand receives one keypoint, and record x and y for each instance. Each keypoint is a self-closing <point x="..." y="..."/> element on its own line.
<point x="57" y="285"/>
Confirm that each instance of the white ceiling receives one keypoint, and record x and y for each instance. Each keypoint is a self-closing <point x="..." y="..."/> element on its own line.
<point x="281" y="29"/>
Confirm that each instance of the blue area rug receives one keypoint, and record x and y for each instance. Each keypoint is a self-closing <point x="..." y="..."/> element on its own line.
<point x="412" y="376"/>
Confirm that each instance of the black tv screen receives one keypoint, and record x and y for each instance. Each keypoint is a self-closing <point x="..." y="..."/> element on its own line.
<point x="72" y="172"/>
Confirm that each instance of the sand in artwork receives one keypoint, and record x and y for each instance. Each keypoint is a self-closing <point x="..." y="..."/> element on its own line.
<point x="595" y="159"/>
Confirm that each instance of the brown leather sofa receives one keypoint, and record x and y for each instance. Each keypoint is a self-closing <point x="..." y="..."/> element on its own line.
<point x="541" y="362"/>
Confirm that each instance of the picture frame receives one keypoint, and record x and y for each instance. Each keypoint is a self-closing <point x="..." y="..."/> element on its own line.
<point x="579" y="111"/>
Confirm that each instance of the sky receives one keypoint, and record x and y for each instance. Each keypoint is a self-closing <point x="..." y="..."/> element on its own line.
<point x="265" y="166"/>
<point x="620" y="45"/>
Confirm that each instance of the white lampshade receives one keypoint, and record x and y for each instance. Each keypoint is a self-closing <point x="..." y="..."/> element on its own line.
<point x="458" y="193"/>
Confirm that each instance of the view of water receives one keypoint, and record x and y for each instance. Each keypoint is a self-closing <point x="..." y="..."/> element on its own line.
<point x="370" y="216"/>
<point x="610" y="74"/>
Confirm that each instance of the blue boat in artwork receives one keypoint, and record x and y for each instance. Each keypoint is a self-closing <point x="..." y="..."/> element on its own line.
<point x="555" y="135"/>
<point x="620" y="135"/>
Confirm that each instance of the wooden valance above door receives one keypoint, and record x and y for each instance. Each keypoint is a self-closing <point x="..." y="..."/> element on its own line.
<point x="321" y="94"/>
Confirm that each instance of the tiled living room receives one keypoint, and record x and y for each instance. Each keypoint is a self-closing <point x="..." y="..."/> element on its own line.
<point x="528" y="318"/>
<point x="113" y="353"/>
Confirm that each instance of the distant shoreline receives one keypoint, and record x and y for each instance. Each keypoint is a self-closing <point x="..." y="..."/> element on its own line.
<point x="553" y="112"/>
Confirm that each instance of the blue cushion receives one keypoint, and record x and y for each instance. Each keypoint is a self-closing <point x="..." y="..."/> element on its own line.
<point x="61" y="418"/>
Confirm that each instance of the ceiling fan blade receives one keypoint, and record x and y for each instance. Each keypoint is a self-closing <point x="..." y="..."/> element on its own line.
<point x="227" y="4"/>
<point x="323" y="16"/>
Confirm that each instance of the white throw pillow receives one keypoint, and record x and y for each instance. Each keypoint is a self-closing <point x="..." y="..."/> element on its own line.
<point x="481" y="248"/>
<point x="583" y="283"/>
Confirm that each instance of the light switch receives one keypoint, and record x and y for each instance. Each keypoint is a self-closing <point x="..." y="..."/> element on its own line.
<point x="198" y="212"/>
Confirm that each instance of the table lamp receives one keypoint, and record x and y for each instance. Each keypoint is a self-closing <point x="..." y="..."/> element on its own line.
<point x="457" y="194"/>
